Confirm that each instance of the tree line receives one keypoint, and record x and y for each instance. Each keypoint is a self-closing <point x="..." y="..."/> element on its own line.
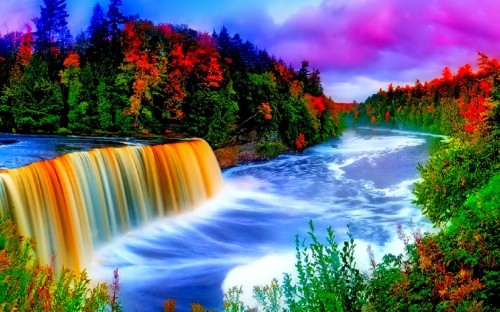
<point x="125" y="75"/>
<point x="456" y="267"/>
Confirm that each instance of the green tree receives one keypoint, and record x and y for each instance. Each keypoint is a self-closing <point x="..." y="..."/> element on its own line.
<point x="258" y="104"/>
<point x="454" y="172"/>
<point x="98" y="36"/>
<point x="211" y="115"/>
<point x="115" y="19"/>
<point x="35" y="101"/>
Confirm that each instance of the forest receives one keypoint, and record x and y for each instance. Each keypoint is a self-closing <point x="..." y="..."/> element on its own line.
<point x="127" y="76"/>
<point x="456" y="268"/>
<point x="452" y="268"/>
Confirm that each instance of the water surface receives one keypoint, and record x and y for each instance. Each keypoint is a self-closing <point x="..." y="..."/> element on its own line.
<point x="246" y="235"/>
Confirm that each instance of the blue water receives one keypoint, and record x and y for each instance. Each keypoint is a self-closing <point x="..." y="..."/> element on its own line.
<point x="245" y="236"/>
<point x="18" y="150"/>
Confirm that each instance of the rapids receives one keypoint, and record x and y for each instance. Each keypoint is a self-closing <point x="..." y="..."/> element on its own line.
<point x="245" y="235"/>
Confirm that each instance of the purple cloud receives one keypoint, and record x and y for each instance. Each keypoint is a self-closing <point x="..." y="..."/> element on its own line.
<point x="352" y="42"/>
<point x="384" y="40"/>
<point x="15" y="14"/>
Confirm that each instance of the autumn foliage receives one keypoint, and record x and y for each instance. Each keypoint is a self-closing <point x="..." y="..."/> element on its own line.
<point x="131" y="76"/>
<point x="300" y="141"/>
<point x="453" y="102"/>
<point x="73" y="60"/>
<point x="315" y="104"/>
<point x="475" y="110"/>
<point x="25" y="51"/>
<point x="266" y="111"/>
<point x="456" y="267"/>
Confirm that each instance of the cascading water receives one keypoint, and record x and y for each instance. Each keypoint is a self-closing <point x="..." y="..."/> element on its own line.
<point x="76" y="202"/>
<point x="244" y="236"/>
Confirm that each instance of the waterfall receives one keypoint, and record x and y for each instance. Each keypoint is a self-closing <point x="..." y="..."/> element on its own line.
<point x="76" y="202"/>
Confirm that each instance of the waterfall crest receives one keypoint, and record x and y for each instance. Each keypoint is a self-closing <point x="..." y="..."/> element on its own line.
<point x="75" y="202"/>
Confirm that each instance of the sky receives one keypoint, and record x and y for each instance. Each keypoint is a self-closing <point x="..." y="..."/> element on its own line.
<point x="358" y="46"/>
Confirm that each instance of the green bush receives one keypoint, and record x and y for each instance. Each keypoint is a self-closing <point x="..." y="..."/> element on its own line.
<point x="63" y="131"/>
<point x="270" y="149"/>
<point x="26" y="285"/>
<point x="454" y="172"/>
<point x="327" y="280"/>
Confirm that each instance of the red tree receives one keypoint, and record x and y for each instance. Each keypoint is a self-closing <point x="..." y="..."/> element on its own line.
<point x="25" y="48"/>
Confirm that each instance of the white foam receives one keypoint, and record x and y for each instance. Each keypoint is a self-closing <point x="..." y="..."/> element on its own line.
<point x="259" y="272"/>
<point x="354" y="148"/>
<point x="353" y="143"/>
<point x="336" y="167"/>
<point x="403" y="189"/>
<point x="406" y="132"/>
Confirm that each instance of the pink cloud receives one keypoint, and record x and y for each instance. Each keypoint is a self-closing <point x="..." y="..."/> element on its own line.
<point x="375" y="29"/>
<point x="382" y="40"/>
<point x="387" y="40"/>
<point x="15" y="14"/>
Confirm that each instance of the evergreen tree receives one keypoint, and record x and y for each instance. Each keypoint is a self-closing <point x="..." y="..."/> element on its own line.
<point x="9" y="44"/>
<point x="52" y="27"/>
<point x="98" y="34"/>
<point x="115" y="19"/>
<point x="35" y="102"/>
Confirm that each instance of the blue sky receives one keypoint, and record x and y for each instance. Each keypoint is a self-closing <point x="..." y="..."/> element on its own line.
<point x="358" y="45"/>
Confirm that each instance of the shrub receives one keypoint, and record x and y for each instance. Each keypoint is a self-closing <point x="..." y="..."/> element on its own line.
<point x="232" y="302"/>
<point x="453" y="173"/>
<point x="327" y="280"/>
<point x="270" y="149"/>
<point x="27" y="286"/>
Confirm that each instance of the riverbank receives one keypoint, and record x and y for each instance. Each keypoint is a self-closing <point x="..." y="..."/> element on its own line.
<point x="236" y="155"/>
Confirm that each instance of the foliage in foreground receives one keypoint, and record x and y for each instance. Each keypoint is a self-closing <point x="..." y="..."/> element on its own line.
<point x="27" y="286"/>
<point x="326" y="280"/>
<point x="454" y="172"/>
<point x="455" y="269"/>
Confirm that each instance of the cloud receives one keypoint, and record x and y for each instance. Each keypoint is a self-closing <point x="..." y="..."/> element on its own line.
<point x="382" y="40"/>
<point x="15" y="14"/>
<point x="358" y="87"/>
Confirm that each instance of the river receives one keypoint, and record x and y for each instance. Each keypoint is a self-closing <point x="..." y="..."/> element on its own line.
<point x="246" y="235"/>
<point x="18" y="150"/>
